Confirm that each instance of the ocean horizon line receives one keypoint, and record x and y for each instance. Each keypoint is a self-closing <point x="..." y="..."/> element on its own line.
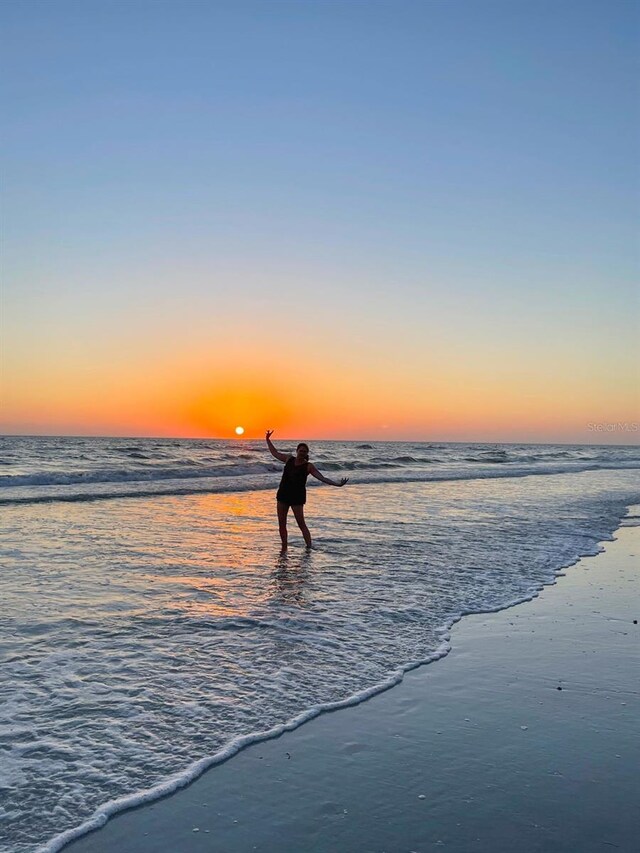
<point x="245" y="438"/>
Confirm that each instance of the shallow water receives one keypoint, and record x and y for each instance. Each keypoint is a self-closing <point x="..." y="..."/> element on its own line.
<point x="142" y="634"/>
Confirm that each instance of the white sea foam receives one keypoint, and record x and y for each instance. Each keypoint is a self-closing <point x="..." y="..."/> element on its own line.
<point x="180" y="780"/>
<point x="185" y="777"/>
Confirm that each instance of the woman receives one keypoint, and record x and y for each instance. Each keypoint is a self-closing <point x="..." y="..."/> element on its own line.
<point x="293" y="487"/>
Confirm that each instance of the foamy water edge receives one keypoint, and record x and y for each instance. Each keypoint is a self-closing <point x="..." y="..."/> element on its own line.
<point x="185" y="777"/>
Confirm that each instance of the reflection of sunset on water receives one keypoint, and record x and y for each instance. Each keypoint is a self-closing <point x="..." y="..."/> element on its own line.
<point x="289" y="577"/>
<point x="231" y="524"/>
<point x="222" y="533"/>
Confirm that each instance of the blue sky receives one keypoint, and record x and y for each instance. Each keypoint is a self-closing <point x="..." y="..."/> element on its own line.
<point x="387" y="170"/>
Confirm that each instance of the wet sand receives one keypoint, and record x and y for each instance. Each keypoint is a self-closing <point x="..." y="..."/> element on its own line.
<point x="525" y="737"/>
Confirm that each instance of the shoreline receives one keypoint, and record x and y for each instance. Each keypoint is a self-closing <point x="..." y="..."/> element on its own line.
<point x="249" y="744"/>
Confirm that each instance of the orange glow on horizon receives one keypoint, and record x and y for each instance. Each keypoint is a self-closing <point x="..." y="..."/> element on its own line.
<point x="315" y="400"/>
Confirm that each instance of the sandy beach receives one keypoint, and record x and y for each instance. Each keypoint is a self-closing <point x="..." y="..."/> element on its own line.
<point x="524" y="737"/>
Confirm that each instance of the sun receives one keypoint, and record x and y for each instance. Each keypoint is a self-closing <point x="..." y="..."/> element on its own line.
<point x="239" y="430"/>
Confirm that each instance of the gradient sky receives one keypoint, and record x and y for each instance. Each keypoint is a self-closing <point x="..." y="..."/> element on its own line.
<point x="335" y="219"/>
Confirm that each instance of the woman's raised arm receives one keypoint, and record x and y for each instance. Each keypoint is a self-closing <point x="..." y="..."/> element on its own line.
<point x="278" y="455"/>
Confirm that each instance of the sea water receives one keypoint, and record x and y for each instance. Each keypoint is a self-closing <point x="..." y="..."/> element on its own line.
<point x="150" y="625"/>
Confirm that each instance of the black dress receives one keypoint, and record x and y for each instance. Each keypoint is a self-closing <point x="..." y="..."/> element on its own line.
<point x="293" y="486"/>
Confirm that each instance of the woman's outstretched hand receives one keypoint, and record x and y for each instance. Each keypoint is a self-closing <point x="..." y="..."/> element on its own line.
<point x="343" y="482"/>
<point x="268" y="434"/>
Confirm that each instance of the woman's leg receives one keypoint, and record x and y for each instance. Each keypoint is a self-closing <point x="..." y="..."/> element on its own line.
<point x="283" y="509"/>
<point x="298" y="511"/>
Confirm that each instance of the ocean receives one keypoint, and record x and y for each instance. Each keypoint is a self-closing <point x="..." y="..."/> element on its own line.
<point x="150" y="626"/>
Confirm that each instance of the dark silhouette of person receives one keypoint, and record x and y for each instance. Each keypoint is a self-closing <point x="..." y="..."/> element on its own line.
<point x="293" y="486"/>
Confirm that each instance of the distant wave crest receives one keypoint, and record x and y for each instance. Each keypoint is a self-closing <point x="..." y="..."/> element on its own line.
<point x="263" y="479"/>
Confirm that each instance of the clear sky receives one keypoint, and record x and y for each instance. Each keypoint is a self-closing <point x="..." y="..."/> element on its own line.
<point x="343" y="219"/>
